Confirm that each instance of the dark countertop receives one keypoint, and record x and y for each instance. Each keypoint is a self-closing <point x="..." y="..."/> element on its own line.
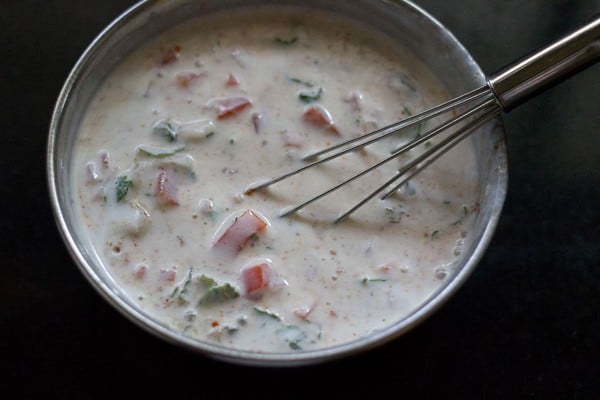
<point x="525" y="325"/>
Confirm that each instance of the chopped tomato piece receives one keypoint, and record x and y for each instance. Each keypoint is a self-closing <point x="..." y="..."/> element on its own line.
<point x="320" y="117"/>
<point x="232" y="80"/>
<point x="230" y="106"/>
<point x="140" y="271"/>
<point x="304" y="311"/>
<point x="259" y="276"/>
<point x="166" y="189"/>
<point x="255" y="278"/>
<point x="185" y="79"/>
<point x="241" y="231"/>
<point x="170" y="55"/>
<point x="167" y="274"/>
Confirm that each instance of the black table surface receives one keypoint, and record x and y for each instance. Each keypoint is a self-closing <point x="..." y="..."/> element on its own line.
<point x="525" y="325"/>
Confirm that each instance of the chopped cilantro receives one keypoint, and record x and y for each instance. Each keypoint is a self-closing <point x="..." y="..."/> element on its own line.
<point x="365" y="281"/>
<point x="166" y="129"/>
<point x="123" y="186"/>
<point x="207" y="281"/>
<point x="301" y="82"/>
<point x="157" y="152"/>
<point x="310" y="96"/>
<point x="267" y="313"/>
<point x="218" y="294"/>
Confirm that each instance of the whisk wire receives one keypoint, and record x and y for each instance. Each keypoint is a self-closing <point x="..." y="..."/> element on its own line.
<point x="427" y="158"/>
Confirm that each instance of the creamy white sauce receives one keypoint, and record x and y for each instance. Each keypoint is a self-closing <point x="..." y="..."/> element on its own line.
<point x="328" y="284"/>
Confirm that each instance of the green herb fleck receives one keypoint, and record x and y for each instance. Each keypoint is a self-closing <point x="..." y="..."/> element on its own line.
<point x="293" y="335"/>
<point x="365" y="281"/>
<point x="286" y="42"/>
<point x="157" y="152"/>
<point x="434" y="233"/>
<point x="174" y="292"/>
<point x="180" y="290"/>
<point x="166" y="129"/>
<point x="187" y="282"/>
<point x="209" y="135"/>
<point x="310" y="96"/>
<point x="460" y="219"/>
<point x="295" y="346"/>
<point x="123" y="186"/>
<point x="218" y="294"/>
<point x="206" y="281"/>
<point x="301" y="82"/>
<point x="267" y="313"/>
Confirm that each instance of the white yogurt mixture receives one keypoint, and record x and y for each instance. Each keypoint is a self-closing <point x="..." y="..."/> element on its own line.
<point x="185" y="124"/>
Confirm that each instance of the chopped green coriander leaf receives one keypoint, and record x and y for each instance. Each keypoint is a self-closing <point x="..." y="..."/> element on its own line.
<point x="158" y="152"/>
<point x="267" y="313"/>
<point x="123" y="186"/>
<point x="295" y="346"/>
<point x="218" y="294"/>
<point x="166" y="129"/>
<point x="174" y="292"/>
<point x="206" y="281"/>
<point x="293" y="335"/>
<point x="310" y="96"/>
<point x="186" y="283"/>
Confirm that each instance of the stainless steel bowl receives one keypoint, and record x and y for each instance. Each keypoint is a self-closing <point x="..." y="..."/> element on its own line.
<point x="405" y="22"/>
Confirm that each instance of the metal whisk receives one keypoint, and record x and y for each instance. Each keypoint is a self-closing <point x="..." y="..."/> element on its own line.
<point x="502" y="92"/>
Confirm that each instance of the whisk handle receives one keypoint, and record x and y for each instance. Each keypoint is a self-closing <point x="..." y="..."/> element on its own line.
<point x="548" y="66"/>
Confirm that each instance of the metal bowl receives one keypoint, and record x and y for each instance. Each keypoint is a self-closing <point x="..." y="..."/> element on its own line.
<point x="403" y="21"/>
